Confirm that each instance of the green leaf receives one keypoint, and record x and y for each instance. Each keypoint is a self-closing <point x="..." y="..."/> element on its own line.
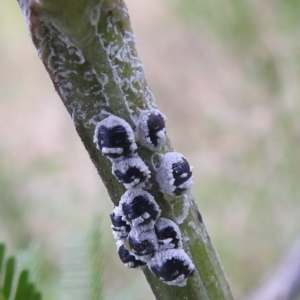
<point x="37" y="296"/>
<point x="23" y="290"/>
<point x="2" y="252"/>
<point x="95" y="259"/>
<point x="29" y="291"/>
<point x="30" y="259"/>
<point x="1" y="296"/>
<point x="9" y="274"/>
<point x="22" y="285"/>
<point x="81" y="277"/>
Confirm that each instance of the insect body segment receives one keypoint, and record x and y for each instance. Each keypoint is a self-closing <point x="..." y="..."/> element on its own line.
<point x="143" y="242"/>
<point x="128" y="259"/>
<point x="132" y="172"/>
<point x="174" y="174"/>
<point x="119" y="226"/>
<point x="151" y="129"/>
<point x="172" y="266"/>
<point x="139" y="208"/>
<point x="114" y="138"/>
<point x="168" y="234"/>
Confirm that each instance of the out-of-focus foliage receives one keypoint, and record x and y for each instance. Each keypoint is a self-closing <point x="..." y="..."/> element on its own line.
<point x="15" y="283"/>
<point x="80" y="268"/>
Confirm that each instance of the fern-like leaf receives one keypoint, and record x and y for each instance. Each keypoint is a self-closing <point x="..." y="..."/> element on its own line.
<point x="15" y="285"/>
<point x="81" y="267"/>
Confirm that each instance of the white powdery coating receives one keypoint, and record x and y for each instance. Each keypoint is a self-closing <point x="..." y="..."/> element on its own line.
<point x="111" y="122"/>
<point x="97" y="92"/>
<point x="121" y="231"/>
<point x="118" y="211"/>
<point x="179" y="281"/>
<point x="201" y="232"/>
<point x="187" y="184"/>
<point x="56" y="62"/>
<point x="127" y="198"/>
<point x="185" y="210"/>
<point x="192" y="225"/>
<point x="143" y="130"/>
<point x="148" y="94"/>
<point x="123" y="56"/>
<point x="136" y="222"/>
<point x="164" y="244"/>
<point x="70" y="46"/>
<point x="124" y="165"/>
<point x="119" y="245"/>
<point x="130" y="264"/>
<point x="106" y="150"/>
<point x="97" y="117"/>
<point x="160" y="258"/>
<point x="64" y="60"/>
<point x="164" y="175"/>
<point x="155" y="159"/>
<point x="140" y="234"/>
<point x="95" y="13"/>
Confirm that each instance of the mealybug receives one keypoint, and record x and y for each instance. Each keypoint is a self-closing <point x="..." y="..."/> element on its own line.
<point x="172" y="266"/>
<point x="142" y="242"/>
<point x="132" y="172"/>
<point x="151" y="129"/>
<point x="128" y="259"/>
<point x="174" y="174"/>
<point x="114" y="138"/>
<point x="139" y="208"/>
<point x="168" y="234"/>
<point x="119" y="226"/>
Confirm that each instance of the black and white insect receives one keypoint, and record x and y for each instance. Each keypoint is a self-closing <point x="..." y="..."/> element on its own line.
<point x="143" y="242"/>
<point x="128" y="259"/>
<point x="114" y="138"/>
<point x="151" y="129"/>
<point x="172" y="266"/>
<point x="168" y="234"/>
<point x="132" y="172"/>
<point x="119" y="226"/>
<point x="139" y="208"/>
<point x="174" y="174"/>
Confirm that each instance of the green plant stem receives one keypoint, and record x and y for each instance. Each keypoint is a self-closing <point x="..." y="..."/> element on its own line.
<point x="88" y="49"/>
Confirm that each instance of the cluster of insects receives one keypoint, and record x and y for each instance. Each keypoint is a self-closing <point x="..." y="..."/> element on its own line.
<point x="144" y="238"/>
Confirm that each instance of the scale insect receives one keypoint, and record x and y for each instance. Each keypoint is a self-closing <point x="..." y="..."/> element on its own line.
<point x="151" y="129"/>
<point x="114" y="138"/>
<point x="168" y="234"/>
<point x="143" y="242"/>
<point x="119" y="227"/>
<point x="139" y="208"/>
<point x="174" y="174"/>
<point x="128" y="259"/>
<point x="132" y="172"/>
<point x="172" y="266"/>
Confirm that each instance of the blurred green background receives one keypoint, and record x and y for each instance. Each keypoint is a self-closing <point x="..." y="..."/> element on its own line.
<point x="226" y="75"/>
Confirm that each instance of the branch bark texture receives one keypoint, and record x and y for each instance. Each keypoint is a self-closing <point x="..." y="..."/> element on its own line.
<point x="88" y="49"/>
